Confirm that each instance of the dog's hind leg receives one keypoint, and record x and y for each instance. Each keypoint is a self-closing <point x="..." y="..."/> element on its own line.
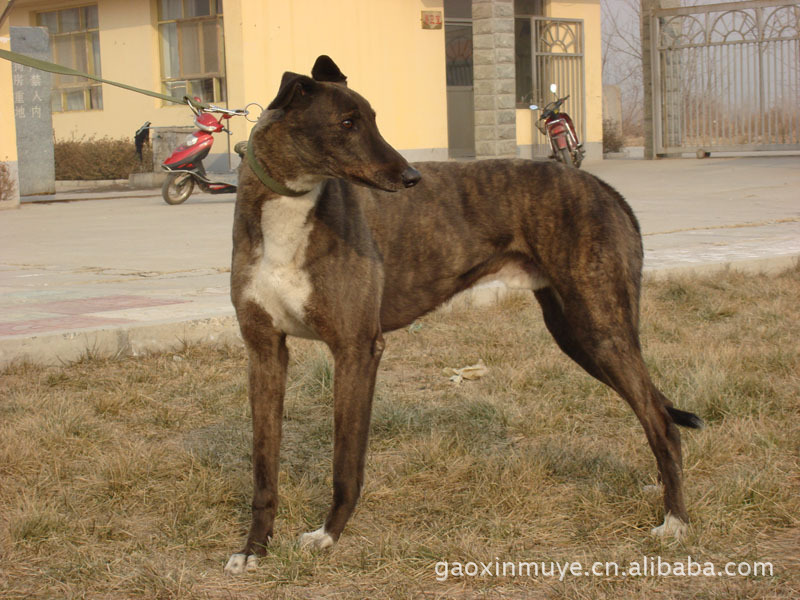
<point x="356" y="365"/>
<point x="608" y="349"/>
<point x="267" y="382"/>
<point x="562" y="333"/>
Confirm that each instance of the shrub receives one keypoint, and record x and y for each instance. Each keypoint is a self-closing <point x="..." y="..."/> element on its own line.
<point x="632" y="128"/>
<point x="105" y="158"/>
<point x="612" y="138"/>
<point x="7" y="185"/>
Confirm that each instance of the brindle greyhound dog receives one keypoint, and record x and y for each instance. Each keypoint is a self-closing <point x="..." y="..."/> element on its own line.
<point x="337" y="238"/>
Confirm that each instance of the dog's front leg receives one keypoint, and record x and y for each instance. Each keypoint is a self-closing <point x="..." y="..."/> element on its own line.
<point x="267" y="382"/>
<point x="354" y="383"/>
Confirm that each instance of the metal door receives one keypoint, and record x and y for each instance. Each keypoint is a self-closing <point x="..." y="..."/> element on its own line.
<point x="460" y="101"/>
<point x="557" y="54"/>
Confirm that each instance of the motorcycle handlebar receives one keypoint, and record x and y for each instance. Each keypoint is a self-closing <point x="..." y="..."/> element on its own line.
<point x="227" y="111"/>
<point x="554" y="105"/>
<point x="198" y="108"/>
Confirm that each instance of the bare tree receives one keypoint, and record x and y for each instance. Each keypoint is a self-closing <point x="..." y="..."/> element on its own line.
<point x="622" y="58"/>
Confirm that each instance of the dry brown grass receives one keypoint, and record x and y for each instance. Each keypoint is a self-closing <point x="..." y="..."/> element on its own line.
<point x="7" y="184"/>
<point x="131" y="478"/>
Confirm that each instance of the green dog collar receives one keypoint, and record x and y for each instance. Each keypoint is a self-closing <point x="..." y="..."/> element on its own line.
<point x="262" y="174"/>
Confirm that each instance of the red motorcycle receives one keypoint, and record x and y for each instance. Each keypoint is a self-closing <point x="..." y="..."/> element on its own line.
<point x="185" y="164"/>
<point x="559" y="129"/>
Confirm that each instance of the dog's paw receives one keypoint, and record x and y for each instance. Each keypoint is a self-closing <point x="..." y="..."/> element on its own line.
<point x="239" y="563"/>
<point x="316" y="540"/>
<point x="672" y="527"/>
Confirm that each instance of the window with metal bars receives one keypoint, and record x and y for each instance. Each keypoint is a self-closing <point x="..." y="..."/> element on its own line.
<point x="192" y="49"/>
<point x="75" y="43"/>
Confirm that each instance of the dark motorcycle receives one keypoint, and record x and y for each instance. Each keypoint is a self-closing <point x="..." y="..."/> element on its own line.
<point x="185" y="164"/>
<point x="560" y="130"/>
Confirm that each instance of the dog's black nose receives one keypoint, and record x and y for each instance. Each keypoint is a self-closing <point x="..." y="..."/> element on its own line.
<point x="411" y="177"/>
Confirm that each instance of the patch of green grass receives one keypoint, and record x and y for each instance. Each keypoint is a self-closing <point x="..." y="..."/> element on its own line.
<point x="131" y="478"/>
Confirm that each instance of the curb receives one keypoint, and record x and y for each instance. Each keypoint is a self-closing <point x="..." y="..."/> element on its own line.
<point x="71" y="346"/>
<point x="145" y="181"/>
<point x="88" y="185"/>
<point x="771" y="265"/>
<point x="134" y="340"/>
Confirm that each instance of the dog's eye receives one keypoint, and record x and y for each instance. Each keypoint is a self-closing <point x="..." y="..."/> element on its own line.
<point x="347" y="124"/>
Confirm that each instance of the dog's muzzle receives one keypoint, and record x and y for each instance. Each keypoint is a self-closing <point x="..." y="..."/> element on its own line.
<point x="411" y="177"/>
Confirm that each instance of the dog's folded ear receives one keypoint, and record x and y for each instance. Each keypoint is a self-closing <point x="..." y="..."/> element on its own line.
<point x="326" y="70"/>
<point x="293" y="85"/>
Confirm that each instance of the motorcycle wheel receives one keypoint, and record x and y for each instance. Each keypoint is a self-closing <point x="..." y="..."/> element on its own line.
<point x="177" y="188"/>
<point x="565" y="157"/>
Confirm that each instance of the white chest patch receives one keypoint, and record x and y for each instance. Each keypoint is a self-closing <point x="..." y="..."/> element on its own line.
<point x="278" y="283"/>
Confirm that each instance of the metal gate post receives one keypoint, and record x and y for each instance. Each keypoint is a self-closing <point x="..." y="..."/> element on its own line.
<point x="651" y="75"/>
<point x="649" y="78"/>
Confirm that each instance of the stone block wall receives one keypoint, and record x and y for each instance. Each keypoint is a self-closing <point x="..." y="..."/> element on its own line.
<point x="494" y="78"/>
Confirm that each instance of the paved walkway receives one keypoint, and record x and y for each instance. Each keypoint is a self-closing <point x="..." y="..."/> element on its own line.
<point x="123" y="272"/>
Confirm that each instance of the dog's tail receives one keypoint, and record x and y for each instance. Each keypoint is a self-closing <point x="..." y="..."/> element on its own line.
<point x="685" y="419"/>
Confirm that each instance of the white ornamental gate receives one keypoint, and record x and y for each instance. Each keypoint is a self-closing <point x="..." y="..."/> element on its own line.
<point x="727" y="77"/>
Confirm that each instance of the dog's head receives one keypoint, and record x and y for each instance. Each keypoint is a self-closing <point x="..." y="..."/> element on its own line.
<point x="331" y="131"/>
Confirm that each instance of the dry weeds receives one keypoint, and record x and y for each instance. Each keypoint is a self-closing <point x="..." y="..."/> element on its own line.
<point x="130" y="478"/>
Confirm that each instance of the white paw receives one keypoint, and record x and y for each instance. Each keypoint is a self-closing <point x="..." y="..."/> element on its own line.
<point x="239" y="563"/>
<point x="316" y="540"/>
<point x="672" y="527"/>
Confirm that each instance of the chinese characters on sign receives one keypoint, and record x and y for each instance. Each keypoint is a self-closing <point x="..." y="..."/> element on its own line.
<point x="32" y="113"/>
<point x="432" y="19"/>
<point x="28" y="92"/>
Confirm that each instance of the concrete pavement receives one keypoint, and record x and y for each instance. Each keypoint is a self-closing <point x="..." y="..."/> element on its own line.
<point x="113" y="272"/>
<point x="711" y="212"/>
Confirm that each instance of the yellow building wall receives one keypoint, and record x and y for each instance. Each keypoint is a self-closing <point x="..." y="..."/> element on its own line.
<point x="379" y="44"/>
<point x="8" y="132"/>
<point x="589" y="11"/>
<point x="128" y="54"/>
